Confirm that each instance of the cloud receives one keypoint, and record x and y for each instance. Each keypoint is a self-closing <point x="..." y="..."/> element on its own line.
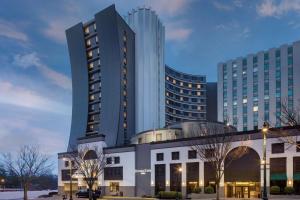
<point x="23" y="97"/>
<point x="294" y="24"/>
<point x="176" y="31"/>
<point x="9" y="30"/>
<point x="170" y="8"/>
<point x="56" y="30"/>
<point x="32" y="60"/>
<point x="235" y="28"/>
<point x="222" y="6"/>
<point x="269" y="8"/>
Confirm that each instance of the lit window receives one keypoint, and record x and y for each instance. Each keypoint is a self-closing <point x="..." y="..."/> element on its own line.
<point x="124" y="61"/>
<point x="167" y="93"/>
<point x="167" y="78"/>
<point x="125" y="114"/>
<point x="95" y="27"/>
<point x="91" y="127"/>
<point x="87" y="30"/>
<point x="234" y="103"/>
<point x="96" y="39"/>
<point x="88" y="42"/>
<point x="198" y="86"/>
<point x="124" y="70"/>
<point x="174" y="81"/>
<point x="167" y="101"/>
<point x="225" y="103"/>
<point x="190" y="85"/>
<point x="158" y="137"/>
<point x="125" y="82"/>
<point x="124" y="125"/>
<point x="91" y="65"/>
<point x="125" y="103"/>
<point x="199" y="108"/>
<point x="255" y="108"/>
<point x="124" y="93"/>
<point x="181" y="91"/>
<point x="92" y="97"/>
<point x="181" y="83"/>
<point x="98" y="51"/>
<point x="90" y="54"/>
<point x="124" y="49"/>
<point x="244" y="72"/>
<point x="244" y="100"/>
<point x="198" y="93"/>
<point x="181" y="98"/>
<point x="124" y="38"/>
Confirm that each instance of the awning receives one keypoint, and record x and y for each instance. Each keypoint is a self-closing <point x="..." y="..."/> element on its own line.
<point x="296" y="177"/>
<point x="278" y="177"/>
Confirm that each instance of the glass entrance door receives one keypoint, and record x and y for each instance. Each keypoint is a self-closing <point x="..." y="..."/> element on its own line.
<point x="242" y="192"/>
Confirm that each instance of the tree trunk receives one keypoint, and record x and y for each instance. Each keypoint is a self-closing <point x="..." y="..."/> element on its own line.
<point x="90" y="193"/>
<point x="217" y="191"/>
<point x="25" y="188"/>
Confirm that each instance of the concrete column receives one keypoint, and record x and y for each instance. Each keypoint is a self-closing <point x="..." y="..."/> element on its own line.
<point x="167" y="177"/>
<point x="201" y="176"/>
<point x="289" y="171"/>
<point x="183" y="179"/>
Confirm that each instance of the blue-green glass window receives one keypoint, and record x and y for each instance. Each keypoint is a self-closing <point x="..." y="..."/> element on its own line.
<point x="266" y="56"/>
<point x="290" y="71"/>
<point x="255" y="59"/>
<point x="277" y="53"/>
<point x="290" y="60"/>
<point x="244" y="61"/>
<point x="290" y="50"/>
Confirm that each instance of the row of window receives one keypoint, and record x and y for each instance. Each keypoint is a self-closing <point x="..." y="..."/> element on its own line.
<point x="192" y="154"/>
<point x="184" y="76"/>
<point x="279" y="147"/>
<point x="113" y="160"/>
<point x="178" y="90"/>
<point x="185" y="84"/>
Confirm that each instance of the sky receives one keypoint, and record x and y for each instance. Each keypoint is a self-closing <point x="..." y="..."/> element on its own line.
<point x="35" y="81"/>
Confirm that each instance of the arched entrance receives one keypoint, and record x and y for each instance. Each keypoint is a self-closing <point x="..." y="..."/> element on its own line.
<point x="242" y="175"/>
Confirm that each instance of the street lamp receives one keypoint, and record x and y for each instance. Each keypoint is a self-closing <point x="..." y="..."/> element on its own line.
<point x="265" y="129"/>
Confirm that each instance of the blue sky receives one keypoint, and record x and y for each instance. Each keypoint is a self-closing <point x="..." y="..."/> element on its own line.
<point x="35" y="83"/>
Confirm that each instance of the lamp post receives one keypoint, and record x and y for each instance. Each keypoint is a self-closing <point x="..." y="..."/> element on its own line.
<point x="264" y="132"/>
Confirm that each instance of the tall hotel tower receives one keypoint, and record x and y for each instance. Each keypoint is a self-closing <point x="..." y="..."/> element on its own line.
<point x="150" y="68"/>
<point x="252" y="88"/>
<point x="103" y="72"/>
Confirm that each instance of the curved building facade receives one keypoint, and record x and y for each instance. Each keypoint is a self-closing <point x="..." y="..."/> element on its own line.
<point x="185" y="96"/>
<point x="102" y="79"/>
<point x="149" y="68"/>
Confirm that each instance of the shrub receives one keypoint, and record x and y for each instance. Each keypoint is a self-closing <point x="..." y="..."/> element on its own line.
<point x="275" y="189"/>
<point x="169" y="195"/>
<point x="196" y="190"/>
<point x="209" y="190"/>
<point x="289" y="190"/>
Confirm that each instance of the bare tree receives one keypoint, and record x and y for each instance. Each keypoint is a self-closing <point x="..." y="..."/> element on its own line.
<point x="26" y="165"/>
<point x="288" y="117"/>
<point x="215" y="144"/>
<point x="89" y="163"/>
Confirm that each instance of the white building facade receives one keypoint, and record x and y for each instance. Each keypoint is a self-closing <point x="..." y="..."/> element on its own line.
<point x="149" y="68"/>
<point x="172" y="165"/>
<point x="252" y="88"/>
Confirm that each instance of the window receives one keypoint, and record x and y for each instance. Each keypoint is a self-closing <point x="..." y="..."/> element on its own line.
<point x="108" y="160"/>
<point x="175" y="155"/>
<point x="86" y="30"/>
<point x="298" y="146"/>
<point x="66" y="163"/>
<point x="278" y="148"/>
<point x="192" y="154"/>
<point x="159" y="157"/>
<point x="209" y="153"/>
<point x="117" y="160"/>
<point x="158" y="137"/>
<point x="113" y="173"/>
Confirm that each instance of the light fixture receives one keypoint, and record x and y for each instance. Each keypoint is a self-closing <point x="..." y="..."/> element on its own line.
<point x="265" y="127"/>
